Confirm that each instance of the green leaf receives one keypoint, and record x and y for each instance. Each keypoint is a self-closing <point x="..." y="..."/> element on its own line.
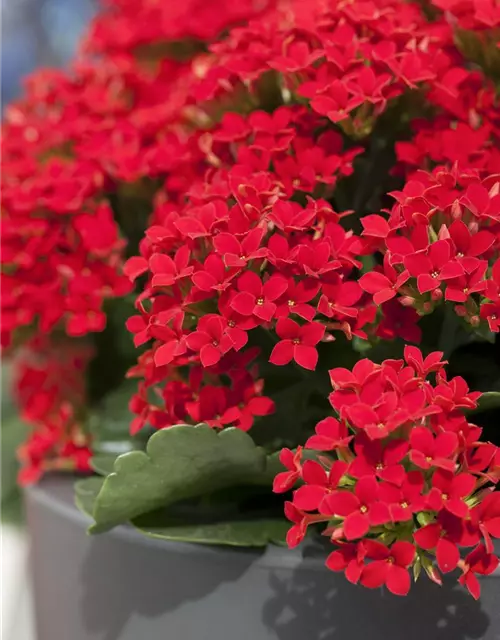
<point x="112" y="413"/>
<point x="86" y="492"/>
<point x="14" y="431"/>
<point x="103" y="463"/>
<point x="488" y="401"/>
<point x="180" y="462"/>
<point x="109" y="422"/>
<point x="240" y="533"/>
<point x="417" y="568"/>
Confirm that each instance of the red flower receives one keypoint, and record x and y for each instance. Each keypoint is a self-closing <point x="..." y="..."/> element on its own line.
<point x="469" y="247"/>
<point x="173" y="338"/>
<point x="423" y="366"/>
<point x="447" y="552"/>
<point x="297" y="55"/>
<point x="290" y="216"/>
<point x="255" y="298"/>
<point x="238" y="254"/>
<point x="435" y="267"/>
<point x="380" y="420"/>
<point x="349" y="559"/>
<point x="135" y="267"/>
<point x="375" y="226"/>
<point x="383" y="286"/>
<point x="486" y="516"/>
<point x="477" y="561"/>
<point x="242" y="416"/>
<point x="279" y="252"/>
<point x="214" y="275"/>
<point x="389" y="566"/>
<point x="336" y="102"/>
<point x="448" y="492"/>
<point x="297" y="343"/>
<point x="361" y="509"/>
<point x="209" y="406"/>
<point x="405" y="500"/>
<point x="459" y="289"/>
<point x="301" y="521"/>
<point x="372" y="458"/>
<point x="296" y="297"/>
<point x="330" y="434"/>
<point x="315" y="259"/>
<point x="285" y="480"/>
<point x="202" y="220"/>
<point x="167" y="271"/>
<point x="363" y="371"/>
<point x="210" y="340"/>
<point x="318" y="484"/>
<point x="428" y="451"/>
<point x="338" y="299"/>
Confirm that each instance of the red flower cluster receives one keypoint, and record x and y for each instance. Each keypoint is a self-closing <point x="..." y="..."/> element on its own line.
<point x="410" y="482"/>
<point x="438" y="245"/>
<point x="50" y="391"/>
<point x="256" y="242"/>
<point x="472" y="15"/>
<point x="76" y="138"/>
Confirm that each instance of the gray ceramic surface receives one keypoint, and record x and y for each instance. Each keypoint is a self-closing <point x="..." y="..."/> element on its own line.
<point x="123" y="586"/>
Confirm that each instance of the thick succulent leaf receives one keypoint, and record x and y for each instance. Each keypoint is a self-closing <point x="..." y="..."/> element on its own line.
<point x="256" y="532"/>
<point x="86" y="492"/>
<point x="179" y="463"/>
<point x="103" y="463"/>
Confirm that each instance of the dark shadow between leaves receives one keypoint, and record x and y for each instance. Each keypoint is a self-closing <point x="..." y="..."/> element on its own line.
<point x="324" y="606"/>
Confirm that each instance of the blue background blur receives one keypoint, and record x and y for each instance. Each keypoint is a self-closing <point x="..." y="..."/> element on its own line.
<point x="38" y="33"/>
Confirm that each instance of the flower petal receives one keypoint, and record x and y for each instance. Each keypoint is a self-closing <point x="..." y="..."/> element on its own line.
<point x="398" y="580"/>
<point x="356" y="525"/>
<point x="447" y="555"/>
<point x="282" y="353"/>
<point x="305" y="356"/>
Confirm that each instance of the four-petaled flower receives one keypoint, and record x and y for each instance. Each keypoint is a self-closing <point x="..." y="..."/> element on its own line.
<point x="389" y="566"/>
<point x="435" y="267"/>
<point x="256" y="298"/>
<point x="433" y="451"/>
<point x="211" y="340"/>
<point x="297" y="343"/>
<point x="449" y="492"/>
<point x="361" y="509"/>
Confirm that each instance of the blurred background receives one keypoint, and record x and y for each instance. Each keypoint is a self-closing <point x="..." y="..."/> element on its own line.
<point x="34" y="33"/>
<point x="38" y="33"/>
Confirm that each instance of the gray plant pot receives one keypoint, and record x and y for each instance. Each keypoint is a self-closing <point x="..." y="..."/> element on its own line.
<point x="123" y="586"/>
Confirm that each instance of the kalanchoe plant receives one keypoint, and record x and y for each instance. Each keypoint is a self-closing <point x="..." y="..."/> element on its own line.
<point x="268" y="199"/>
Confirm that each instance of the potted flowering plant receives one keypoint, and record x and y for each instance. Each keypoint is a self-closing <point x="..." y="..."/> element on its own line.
<point x="251" y="288"/>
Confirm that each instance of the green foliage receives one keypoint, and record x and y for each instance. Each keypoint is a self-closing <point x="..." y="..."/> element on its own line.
<point x="109" y="423"/>
<point x="217" y="520"/>
<point x="252" y="532"/>
<point x="13" y="432"/>
<point x="179" y="463"/>
<point x="86" y="492"/>
<point x="103" y="464"/>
